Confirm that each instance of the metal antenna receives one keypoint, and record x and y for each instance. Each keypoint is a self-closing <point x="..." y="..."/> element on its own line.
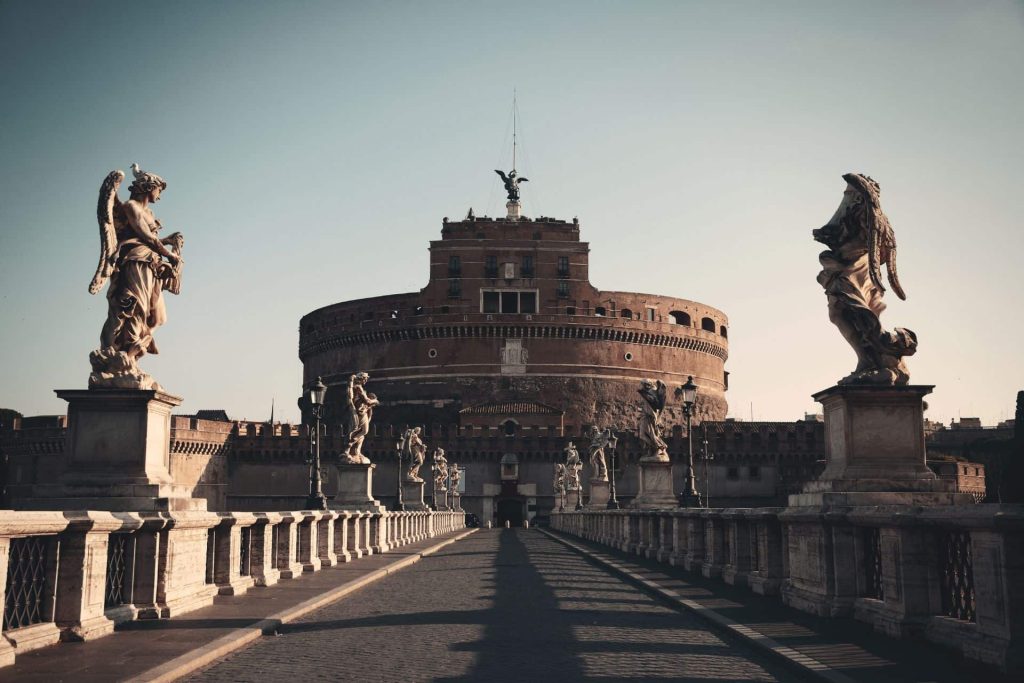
<point x="514" y="107"/>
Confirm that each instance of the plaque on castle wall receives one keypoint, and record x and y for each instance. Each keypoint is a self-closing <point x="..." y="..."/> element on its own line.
<point x="513" y="357"/>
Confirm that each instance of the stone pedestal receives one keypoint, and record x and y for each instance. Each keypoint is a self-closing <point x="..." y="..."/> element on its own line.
<point x="118" y="455"/>
<point x="572" y="499"/>
<point x="655" y="486"/>
<point x="875" y="453"/>
<point x="456" y="501"/>
<point x="412" y="495"/>
<point x="441" y="499"/>
<point x="355" y="488"/>
<point x="599" y="494"/>
<point x="513" y="208"/>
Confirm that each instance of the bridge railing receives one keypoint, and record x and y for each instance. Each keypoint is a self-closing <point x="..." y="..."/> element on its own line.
<point x="75" y="575"/>
<point x="953" y="575"/>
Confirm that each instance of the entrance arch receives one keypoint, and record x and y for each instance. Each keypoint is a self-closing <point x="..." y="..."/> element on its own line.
<point x="510" y="510"/>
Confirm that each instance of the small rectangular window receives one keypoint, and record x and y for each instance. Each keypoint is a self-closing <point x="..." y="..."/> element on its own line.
<point x="563" y="290"/>
<point x="527" y="267"/>
<point x="491" y="267"/>
<point x="454" y="289"/>
<point x="454" y="266"/>
<point x="527" y="302"/>
<point x="755" y="471"/>
<point x="490" y="302"/>
<point x="510" y="302"/>
<point x="650" y="315"/>
<point x="563" y="266"/>
<point x="732" y="473"/>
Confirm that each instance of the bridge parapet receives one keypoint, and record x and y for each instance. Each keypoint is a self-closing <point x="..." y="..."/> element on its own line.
<point x="948" y="574"/>
<point x="73" y="576"/>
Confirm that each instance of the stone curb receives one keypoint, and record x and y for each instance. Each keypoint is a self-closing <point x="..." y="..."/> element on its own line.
<point x="200" y="657"/>
<point x="804" y="664"/>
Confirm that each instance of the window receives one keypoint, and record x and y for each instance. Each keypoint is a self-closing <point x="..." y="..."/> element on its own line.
<point x="394" y="314"/>
<point x="755" y="471"/>
<point x="732" y="473"/>
<point x="570" y="310"/>
<point x="368" y="315"/>
<point x="507" y="301"/>
<point x="454" y="267"/>
<point x="527" y="267"/>
<point x="454" y="289"/>
<point x="418" y="310"/>
<point x="444" y="310"/>
<point x="510" y="302"/>
<point x="563" y="266"/>
<point x="707" y="324"/>
<point x="680" y="318"/>
<point x="650" y="315"/>
<point x="563" y="290"/>
<point x="724" y="332"/>
<point x="626" y="313"/>
<point x="509" y="427"/>
<point x="491" y="267"/>
<point x="599" y="311"/>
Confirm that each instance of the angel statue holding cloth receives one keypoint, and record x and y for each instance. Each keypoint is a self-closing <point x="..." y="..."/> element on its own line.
<point x="140" y="265"/>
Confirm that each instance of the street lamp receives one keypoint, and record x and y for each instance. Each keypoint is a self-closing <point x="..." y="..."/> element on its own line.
<point x="613" y="502"/>
<point x="708" y="456"/>
<point x="314" y="398"/>
<point x="689" y="395"/>
<point x="399" y="503"/>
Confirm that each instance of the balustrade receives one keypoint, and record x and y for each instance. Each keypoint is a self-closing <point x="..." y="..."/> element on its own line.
<point x="115" y="567"/>
<point x="950" y="574"/>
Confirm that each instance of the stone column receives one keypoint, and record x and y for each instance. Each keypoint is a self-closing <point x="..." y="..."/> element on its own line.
<point x="325" y="538"/>
<point x="341" y="534"/>
<point x="288" y="545"/>
<point x="263" y="567"/>
<point x="309" y="540"/>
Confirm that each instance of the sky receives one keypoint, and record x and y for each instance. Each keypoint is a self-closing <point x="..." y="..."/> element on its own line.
<point x="312" y="149"/>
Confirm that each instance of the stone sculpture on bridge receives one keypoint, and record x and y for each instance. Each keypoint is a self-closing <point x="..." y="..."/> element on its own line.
<point x="360" y="408"/>
<point x="649" y="431"/>
<point x="599" y="440"/>
<point x="573" y="466"/>
<point x="140" y="266"/>
<point x="415" y="450"/>
<point x="440" y="469"/>
<point x="860" y="241"/>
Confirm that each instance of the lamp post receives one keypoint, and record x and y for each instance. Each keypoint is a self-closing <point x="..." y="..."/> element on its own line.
<point x="708" y="456"/>
<point x="613" y="501"/>
<point x="399" y="503"/>
<point x="314" y="398"/>
<point x="689" y="394"/>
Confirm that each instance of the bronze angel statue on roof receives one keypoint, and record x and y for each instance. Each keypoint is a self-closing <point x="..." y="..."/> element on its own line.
<point x="860" y="241"/>
<point x="140" y="265"/>
<point x="511" y="182"/>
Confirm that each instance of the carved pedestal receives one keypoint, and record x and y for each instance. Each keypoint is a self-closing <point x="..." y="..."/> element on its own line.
<point x="441" y="499"/>
<point x="355" y="488"/>
<point x="875" y="454"/>
<point x="456" y="501"/>
<point x="599" y="494"/>
<point x="572" y="499"/>
<point x="118" y="453"/>
<point x="412" y="495"/>
<point x="655" y="486"/>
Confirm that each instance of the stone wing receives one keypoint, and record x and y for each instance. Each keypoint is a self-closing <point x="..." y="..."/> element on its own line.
<point x="107" y="204"/>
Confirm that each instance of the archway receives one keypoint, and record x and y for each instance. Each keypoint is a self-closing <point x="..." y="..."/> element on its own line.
<point x="510" y="510"/>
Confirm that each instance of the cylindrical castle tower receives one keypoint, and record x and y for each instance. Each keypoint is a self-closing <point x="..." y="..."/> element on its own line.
<point x="509" y="318"/>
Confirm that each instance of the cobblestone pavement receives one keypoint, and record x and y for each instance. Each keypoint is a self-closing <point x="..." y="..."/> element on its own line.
<point x="501" y="605"/>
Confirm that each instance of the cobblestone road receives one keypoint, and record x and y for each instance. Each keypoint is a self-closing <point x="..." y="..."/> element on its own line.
<point x="501" y="605"/>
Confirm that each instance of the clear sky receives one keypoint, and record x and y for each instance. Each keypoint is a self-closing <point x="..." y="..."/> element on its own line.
<point x="312" y="149"/>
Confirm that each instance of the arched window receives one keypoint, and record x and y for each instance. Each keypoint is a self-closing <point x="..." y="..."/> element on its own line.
<point x="707" y="324"/>
<point x="509" y="427"/>
<point x="599" y="311"/>
<point x="680" y="318"/>
<point x="723" y="331"/>
<point x="626" y="313"/>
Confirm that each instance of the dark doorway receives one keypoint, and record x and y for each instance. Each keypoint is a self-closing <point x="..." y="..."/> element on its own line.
<point x="510" y="510"/>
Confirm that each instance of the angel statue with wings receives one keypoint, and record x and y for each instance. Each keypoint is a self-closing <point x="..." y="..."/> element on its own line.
<point x="440" y="469"/>
<point x="511" y="182"/>
<point x="360" y="409"/>
<point x="415" y="450"/>
<point x="649" y="432"/>
<point x="140" y="265"/>
<point x="600" y="440"/>
<point x="860" y="241"/>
